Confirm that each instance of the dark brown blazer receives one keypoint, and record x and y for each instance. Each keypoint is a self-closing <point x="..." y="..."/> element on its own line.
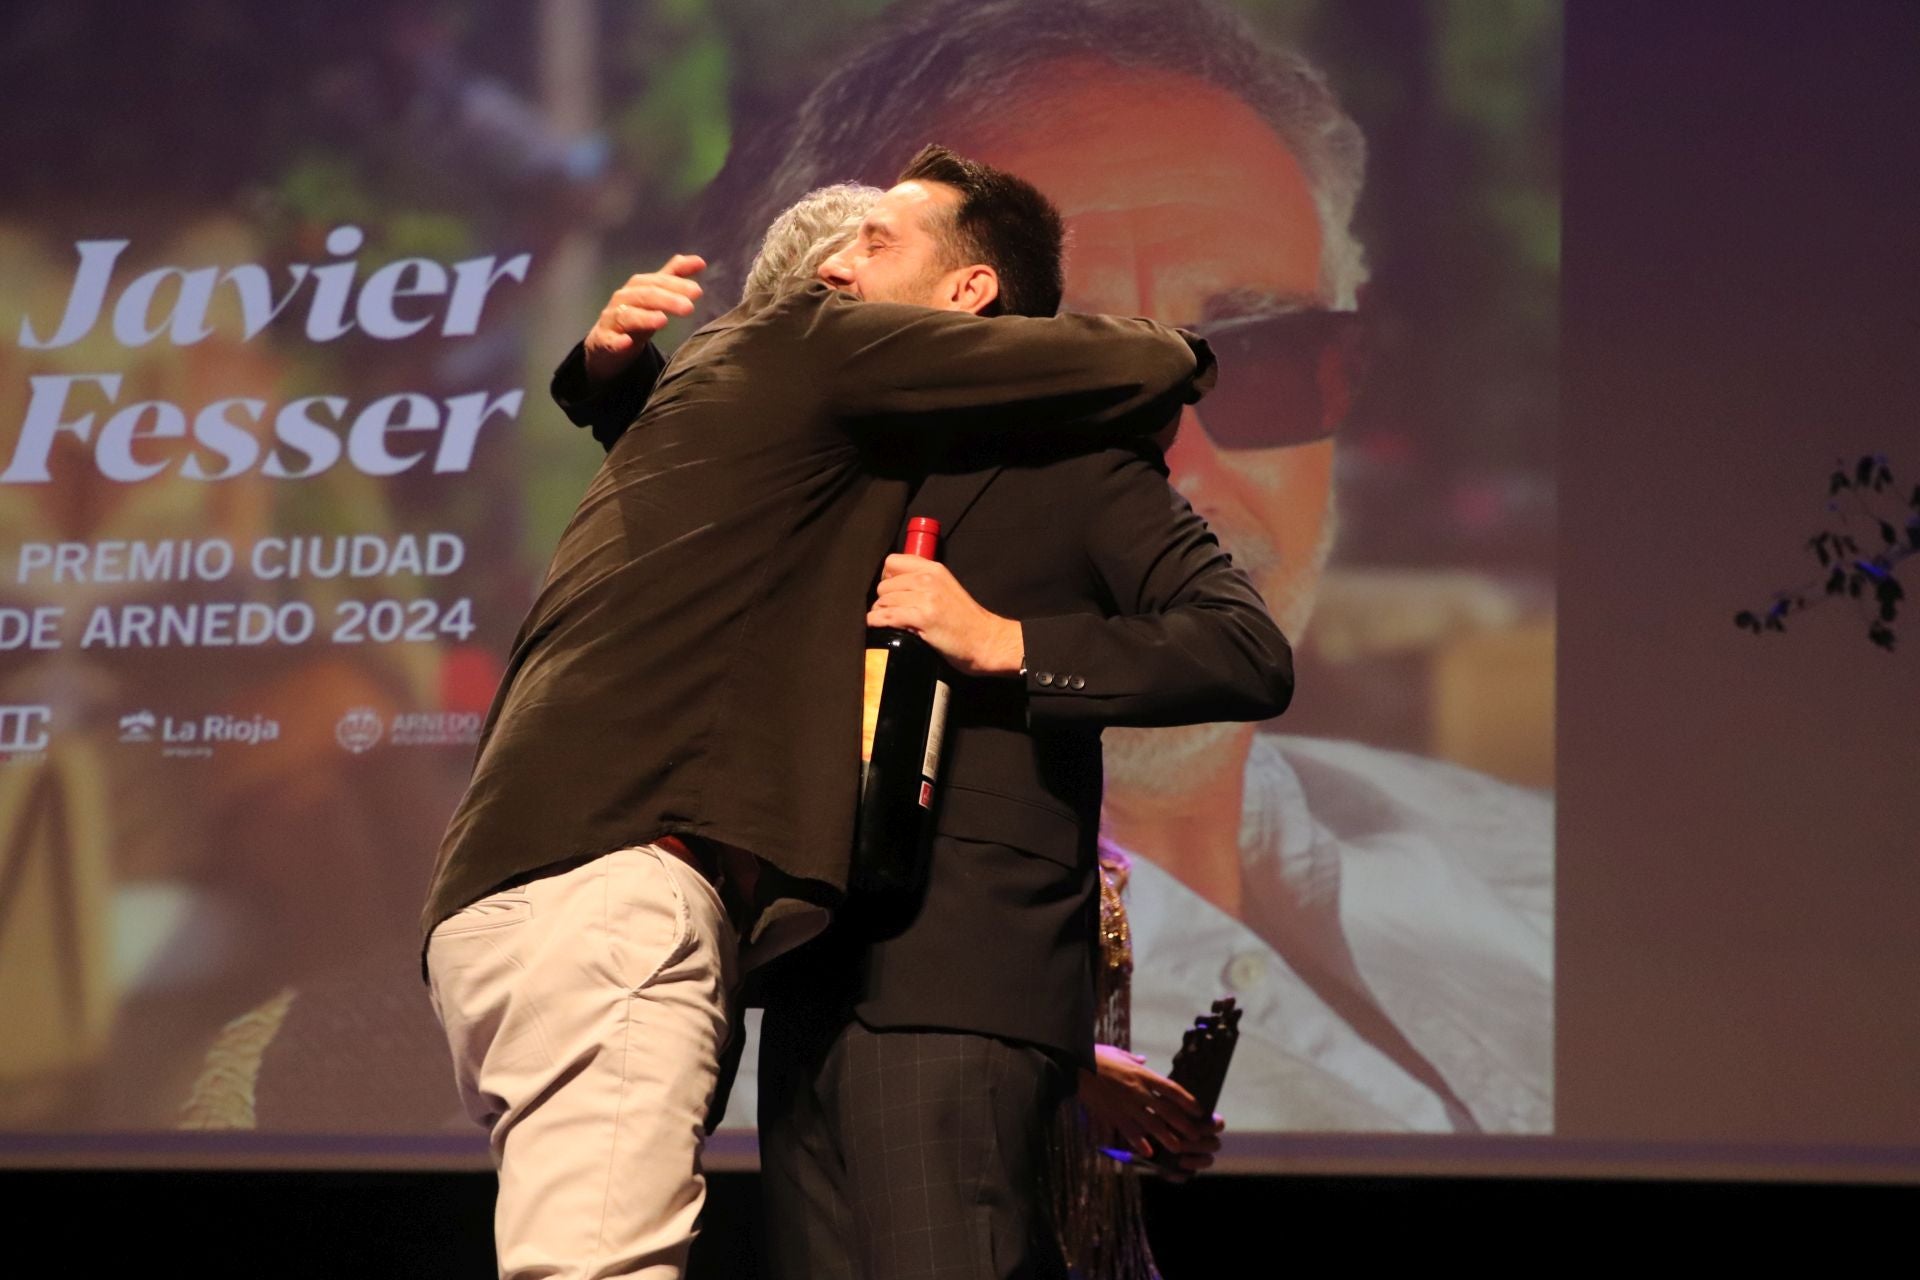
<point x="692" y="663"/>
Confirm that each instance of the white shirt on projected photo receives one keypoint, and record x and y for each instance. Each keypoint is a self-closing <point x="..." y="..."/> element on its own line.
<point x="1444" y="882"/>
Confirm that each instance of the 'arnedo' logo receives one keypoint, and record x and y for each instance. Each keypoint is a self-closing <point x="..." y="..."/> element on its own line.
<point x="359" y="729"/>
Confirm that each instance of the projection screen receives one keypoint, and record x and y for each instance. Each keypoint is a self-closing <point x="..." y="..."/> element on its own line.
<point x="282" y="290"/>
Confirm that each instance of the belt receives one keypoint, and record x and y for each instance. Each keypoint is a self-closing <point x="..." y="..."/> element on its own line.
<point x="732" y="872"/>
<point x="696" y="853"/>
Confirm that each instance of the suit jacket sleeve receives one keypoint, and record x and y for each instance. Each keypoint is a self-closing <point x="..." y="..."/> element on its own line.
<point x="1190" y="641"/>
<point x="1069" y="379"/>
<point x="607" y="410"/>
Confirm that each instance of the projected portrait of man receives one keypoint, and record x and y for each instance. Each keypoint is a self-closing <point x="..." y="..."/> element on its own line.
<point x="1385" y="920"/>
<point x="238" y="947"/>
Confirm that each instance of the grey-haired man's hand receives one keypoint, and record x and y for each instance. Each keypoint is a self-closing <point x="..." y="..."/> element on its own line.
<point x="639" y="309"/>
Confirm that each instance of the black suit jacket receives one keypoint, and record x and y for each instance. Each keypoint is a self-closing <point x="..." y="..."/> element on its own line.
<point x="1132" y="615"/>
<point x="692" y="664"/>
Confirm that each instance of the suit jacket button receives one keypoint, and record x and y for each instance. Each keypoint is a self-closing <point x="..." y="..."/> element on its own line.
<point x="1077" y="682"/>
<point x="1044" y="677"/>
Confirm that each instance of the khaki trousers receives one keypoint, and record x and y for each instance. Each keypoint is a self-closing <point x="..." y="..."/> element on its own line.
<point x="586" y="1011"/>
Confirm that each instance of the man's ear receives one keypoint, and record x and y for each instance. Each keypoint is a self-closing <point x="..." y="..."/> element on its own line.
<point x="975" y="288"/>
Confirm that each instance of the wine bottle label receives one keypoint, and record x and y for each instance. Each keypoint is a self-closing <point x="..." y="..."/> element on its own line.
<point x="876" y="680"/>
<point x="936" y="733"/>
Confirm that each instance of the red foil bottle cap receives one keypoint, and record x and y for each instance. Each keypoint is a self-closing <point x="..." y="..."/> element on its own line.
<point x="923" y="537"/>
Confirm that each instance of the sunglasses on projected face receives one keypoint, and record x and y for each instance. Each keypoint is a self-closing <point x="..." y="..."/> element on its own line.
<point x="1286" y="378"/>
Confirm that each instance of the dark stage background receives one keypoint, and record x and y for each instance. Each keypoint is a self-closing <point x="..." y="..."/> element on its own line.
<point x="314" y="1225"/>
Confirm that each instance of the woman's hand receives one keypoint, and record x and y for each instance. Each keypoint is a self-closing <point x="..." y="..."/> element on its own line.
<point x="1135" y="1107"/>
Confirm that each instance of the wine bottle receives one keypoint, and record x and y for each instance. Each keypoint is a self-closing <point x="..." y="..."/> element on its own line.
<point x="902" y="723"/>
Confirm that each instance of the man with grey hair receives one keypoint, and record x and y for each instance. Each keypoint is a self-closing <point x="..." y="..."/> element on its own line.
<point x="605" y="383"/>
<point x="666" y="782"/>
<point x="802" y="238"/>
<point x="1384" y="920"/>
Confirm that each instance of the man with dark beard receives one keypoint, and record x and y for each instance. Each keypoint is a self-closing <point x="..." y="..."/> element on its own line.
<point x="910" y="1061"/>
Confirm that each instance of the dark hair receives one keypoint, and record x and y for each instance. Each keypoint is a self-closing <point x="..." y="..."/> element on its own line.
<point x="928" y="65"/>
<point x="1002" y="221"/>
